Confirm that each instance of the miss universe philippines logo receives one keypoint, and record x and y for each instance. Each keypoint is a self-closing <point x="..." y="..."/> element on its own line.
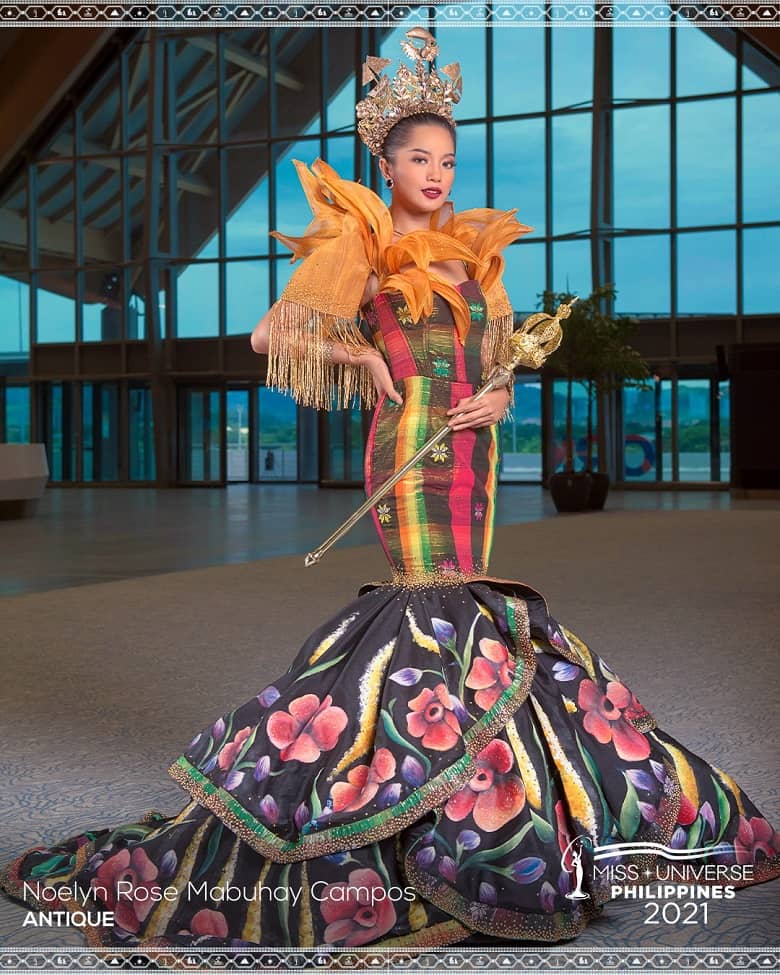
<point x="631" y="879"/>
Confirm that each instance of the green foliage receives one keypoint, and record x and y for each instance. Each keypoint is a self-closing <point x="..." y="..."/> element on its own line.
<point x="595" y="351"/>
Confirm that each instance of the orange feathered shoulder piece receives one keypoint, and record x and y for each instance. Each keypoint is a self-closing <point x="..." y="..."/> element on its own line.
<point x="349" y="238"/>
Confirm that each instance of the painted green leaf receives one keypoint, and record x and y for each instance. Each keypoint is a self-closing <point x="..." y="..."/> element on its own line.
<point x="544" y="830"/>
<point x="394" y="734"/>
<point x="593" y="769"/>
<point x="247" y="745"/>
<point x="488" y="856"/>
<point x="629" y="813"/>
<point x="211" y="850"/>
<point x="467" y="655"/>
<point x="724" y="809"/>
<point x="695" y="832"/>
<point x="314" y="799"/>
<point x="318" y="668"/>
<point x="47" y="866"/>
<point x="284" y="905"/>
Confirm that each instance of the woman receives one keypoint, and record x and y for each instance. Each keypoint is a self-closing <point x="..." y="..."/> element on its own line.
<point x="442" y="760"/>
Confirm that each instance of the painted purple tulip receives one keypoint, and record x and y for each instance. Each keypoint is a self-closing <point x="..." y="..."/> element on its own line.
<point x="168" y="865"/>
<point x="195" y="740"/>
<point x="443" y="630"/>
<point x="640" y="779"/>
<point x="426" y="856"/>
<point x="725" y="854"/>
<point x="268" y="695"/>
<point x="412" y="771"/>
<point x="564" y="671"/>
<point x="301" y="815"/>
<point x="234" y="780"/>
<point x="448" y="869"/>
<point x="528" y="869"/>
<point x="679" y="839"/>
<point x="648" y="811"/>
<point x="487" y="894"/>
<point x="547" y="897"/>
<point x="555" y="636"/>
<point x="406" y="676"/>
<point x="658" y="771"/>
<point x="218" y="731"/>
<point x="389" y="796"/>
<point x="707" y="815"/>
<point x="262" y="768"/>
<point x="210" y="765"/>
<point x="458" y="709"/>
<point x="468" y="839"/>
<point x="268" y="809"/>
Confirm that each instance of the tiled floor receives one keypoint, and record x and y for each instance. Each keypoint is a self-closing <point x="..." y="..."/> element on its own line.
<point x="87" y="535"/>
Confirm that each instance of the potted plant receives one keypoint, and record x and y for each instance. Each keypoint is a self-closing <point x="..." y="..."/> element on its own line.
<point x="595" y="353"/>
<point x="614" y="364"/>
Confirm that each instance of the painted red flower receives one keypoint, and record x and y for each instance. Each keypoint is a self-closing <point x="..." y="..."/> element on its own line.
<point x="606" y="718"/>
<point x="307" y="728"/>
<point x="432" y="718"/>
<point x="754" y="836"/>
<point x="363" y="782"/>
<point x="688" y="811"/>
<point x="358" y="911"/>
<point x="207" y="922"/>
<point x="491" y="673"/>
<point x="227" y="754"/>
<point x="130" y="907"/>
<point x="493" y="796"/>
<point x="564" y="836"/>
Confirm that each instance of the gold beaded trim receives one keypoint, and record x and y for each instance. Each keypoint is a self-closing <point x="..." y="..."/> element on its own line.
<point x="424" y="578"/>
<point x="499" y="921"/>
<point x="497" y="348"/>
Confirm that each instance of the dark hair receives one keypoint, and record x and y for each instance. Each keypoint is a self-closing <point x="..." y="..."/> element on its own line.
<point x="400" y="133"/>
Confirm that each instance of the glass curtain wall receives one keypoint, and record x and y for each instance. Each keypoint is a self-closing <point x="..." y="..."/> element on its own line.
<point x="137" y="257"/>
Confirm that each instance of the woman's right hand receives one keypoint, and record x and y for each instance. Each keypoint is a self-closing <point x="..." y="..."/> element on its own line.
<point x="376" y="365"/>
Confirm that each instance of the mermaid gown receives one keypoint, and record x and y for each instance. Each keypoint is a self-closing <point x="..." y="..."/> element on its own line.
<point x="423" y="770"/>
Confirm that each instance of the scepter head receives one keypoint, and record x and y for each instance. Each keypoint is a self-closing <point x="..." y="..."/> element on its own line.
<point x="538" y="337"/>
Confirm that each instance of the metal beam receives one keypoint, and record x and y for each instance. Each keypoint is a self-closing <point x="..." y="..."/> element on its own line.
<point x="238" y="56"/>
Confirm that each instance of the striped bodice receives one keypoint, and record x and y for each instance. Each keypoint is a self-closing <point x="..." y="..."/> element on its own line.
<point x="438" y="520"/>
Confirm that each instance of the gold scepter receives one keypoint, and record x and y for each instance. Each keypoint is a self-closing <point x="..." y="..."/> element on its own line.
<point x="537" y="337"/>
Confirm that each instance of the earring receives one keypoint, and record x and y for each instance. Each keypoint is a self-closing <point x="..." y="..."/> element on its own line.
<point x="389" y="182"/>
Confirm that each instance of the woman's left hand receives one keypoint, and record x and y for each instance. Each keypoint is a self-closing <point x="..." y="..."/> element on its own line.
<point x="485" y="411"/>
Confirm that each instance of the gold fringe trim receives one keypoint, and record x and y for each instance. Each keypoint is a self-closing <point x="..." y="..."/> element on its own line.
<point x="299" y="360"/>
<point x="496" y="348"/>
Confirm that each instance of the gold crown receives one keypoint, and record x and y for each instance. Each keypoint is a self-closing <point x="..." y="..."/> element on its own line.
<point x="407" y="93"/>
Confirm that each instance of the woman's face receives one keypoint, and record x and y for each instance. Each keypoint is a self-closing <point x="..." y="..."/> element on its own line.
<point x="425" y="163"/>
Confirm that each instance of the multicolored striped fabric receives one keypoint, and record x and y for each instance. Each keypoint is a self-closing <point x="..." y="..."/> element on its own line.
<point x="438" y="519"/>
